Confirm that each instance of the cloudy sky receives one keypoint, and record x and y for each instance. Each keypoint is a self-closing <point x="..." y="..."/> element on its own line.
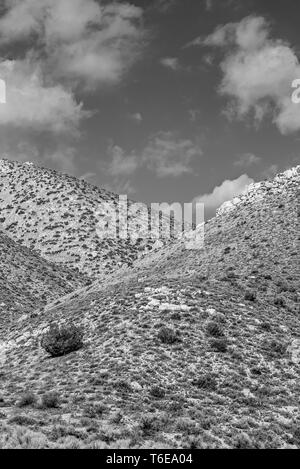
<point x="163" y="100"/>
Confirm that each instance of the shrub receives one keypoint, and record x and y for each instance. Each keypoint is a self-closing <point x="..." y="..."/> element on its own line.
<point x="27" y="399"/>
<point x="266" y="326"/>
<point x="147" y="423"/>
<point x="22" y="420"/>
<point x="61" y="340"/>
<point x="277" y="348"/>
<point x="122" y="385"/>
<point x="219" y="345"/>
<point x="94" y="410"/>
<point x="243" y="441"/>
<point x="280" y="302"/>
<point x="205" y="382"/>
<point x="157" y="392"/>
<point x="50" y="400"/>
<point x="250" y="295"/>
<point x="168" y="335"/>
<point x="214" y="329"/>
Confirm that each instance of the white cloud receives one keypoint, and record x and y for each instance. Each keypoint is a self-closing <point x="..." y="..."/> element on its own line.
<point x="247" y="159"/>
<point x="258" y="72"/>
<point x="62" y="45"/>
<point x="226" y="191"/>
<point x="167" y="155"/>
<point x="121" y="164"/>
<point x="137" y="117"/>
<point x="63" y="158"/>
<point x="170" y="62"/>
<point x="270" y="172"/>
<point x="208" y="5"/>
<point x="32" y="104"/>
<point x="84" y="41"/>
<point x="164" y="5"/>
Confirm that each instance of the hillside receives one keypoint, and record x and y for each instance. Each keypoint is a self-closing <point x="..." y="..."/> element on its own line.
<point x="28" y="282"/>
<point x="230" y="377"/>
<point x="57" y="215"/>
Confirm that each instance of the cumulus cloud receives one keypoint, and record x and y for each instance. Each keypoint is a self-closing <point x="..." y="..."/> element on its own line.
<point x="170" y="62"/>
<point x="226" y="191"/>
<point x="63" y="158"/>
<point x="84" y="41"/>
<point x="164" y="6"/>
<point x="167" y="155"/>
<point x="137" y="117"/>
<point x="120" y="163"/>
<point x="247" y="159"/>
<point x="208" y="4"/>
<point x="31" y="103"/>
<point x="258" y="72"/>
<point x="61" y="46"/>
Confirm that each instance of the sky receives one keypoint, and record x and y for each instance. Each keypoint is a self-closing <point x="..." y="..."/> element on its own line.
<point x="162" y="100"/>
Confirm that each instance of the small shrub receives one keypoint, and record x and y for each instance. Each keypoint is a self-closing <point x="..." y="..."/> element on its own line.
<point x="277" y="348"/>
<point x="168" y="335"/>
<point x="214" y="329"/>
<point x="157" y="392"/>
<point x="243" y="441"/>
<point x="94" y="410"/>
<point x="250" y="295"/>
<point x="266" y="326"/>
<point x="122" y="386"/>
<point x="219" y="345"/>
<point x="22" y="420"/>
<point x="28" y="399"/>
<point x="205" y="382"/>
<point x="147" y="424"/>
<point x="280" y="302"/>
<point x="61" y="340"/>
<point x="50" y="400"/>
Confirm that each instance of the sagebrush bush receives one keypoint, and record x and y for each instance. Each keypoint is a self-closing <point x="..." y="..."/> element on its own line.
<point x="158" y="392"/>
<point x="279" y="301"/>
<point x="61" y="340"/>
<point x="206" y="381"/>
<point x="250" y="295"/>
<point x="27" y="399"/>
<point x="168" y="335"/>
<point x="50" y="400"/>
<point x="219" y="345"/>
<point x="214" y="329"/>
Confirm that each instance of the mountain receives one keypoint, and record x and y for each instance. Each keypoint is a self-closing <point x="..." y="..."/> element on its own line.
<point x="183" y="349"/>
<point x="59" y="217"/>
<point x="28" y="282"/>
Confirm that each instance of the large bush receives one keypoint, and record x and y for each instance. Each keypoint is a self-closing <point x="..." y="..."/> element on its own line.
<point x="61" y="340"/>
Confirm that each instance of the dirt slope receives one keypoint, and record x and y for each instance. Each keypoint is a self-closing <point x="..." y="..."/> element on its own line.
<point x="28" y="282"/>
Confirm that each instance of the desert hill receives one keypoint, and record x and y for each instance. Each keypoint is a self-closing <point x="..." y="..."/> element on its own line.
<point x="184" y="349"/>
<point x="57" y="215"/>
<point x="28" y="282"/>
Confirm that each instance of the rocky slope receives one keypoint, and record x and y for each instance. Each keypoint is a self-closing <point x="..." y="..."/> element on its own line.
<point x="58" y="216"/>
<point x="229" y="378"/>
<point x="28" y="282"/>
